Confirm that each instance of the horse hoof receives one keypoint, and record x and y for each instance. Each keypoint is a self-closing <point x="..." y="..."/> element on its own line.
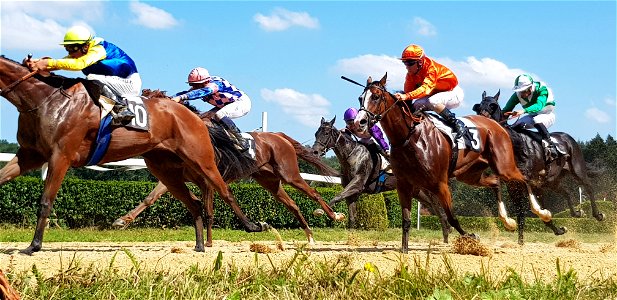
<point x="119" y="223"/>
<point x="600" y="217"/>
<point x="318" y="212"/>
<point x="264" y="226"/>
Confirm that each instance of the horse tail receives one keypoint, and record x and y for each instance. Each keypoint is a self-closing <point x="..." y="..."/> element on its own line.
<point x="309" y="157"/>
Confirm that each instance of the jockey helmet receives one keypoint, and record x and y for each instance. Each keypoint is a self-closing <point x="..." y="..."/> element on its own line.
<point x="77" y="35"/>
<point x="412" y="52"/>
<point x="522" y="82"/>
<point x="198" y="75"/>
<point x="350" y="114"/>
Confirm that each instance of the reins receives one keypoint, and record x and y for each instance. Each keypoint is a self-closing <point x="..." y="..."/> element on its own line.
<point x="14" y="84"/>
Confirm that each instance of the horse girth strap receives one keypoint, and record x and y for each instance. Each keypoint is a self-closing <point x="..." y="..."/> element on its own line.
<point x="20" y="80"/>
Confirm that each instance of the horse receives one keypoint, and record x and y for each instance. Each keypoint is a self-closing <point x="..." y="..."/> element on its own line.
<point x="360" y="174"/>
<point x="58" y="124"/>
<point x="275" y="163"/>
<point x="422" y="157"/>
<point x="531" y="160"/>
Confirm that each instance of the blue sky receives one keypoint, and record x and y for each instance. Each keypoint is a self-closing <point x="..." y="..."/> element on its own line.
<point x="289" y="56"/>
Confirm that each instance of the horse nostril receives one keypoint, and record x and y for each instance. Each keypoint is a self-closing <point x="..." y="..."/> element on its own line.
<point x="363" y="122"/>
<point x="315" y="152"/>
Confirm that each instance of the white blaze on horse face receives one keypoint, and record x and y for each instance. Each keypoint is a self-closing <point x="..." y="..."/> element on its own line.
<point x="362" y="115"/>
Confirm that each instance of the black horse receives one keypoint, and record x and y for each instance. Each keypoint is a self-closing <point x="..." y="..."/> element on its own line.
<point x="360" y="173"/>
<point x="531" y="160"/>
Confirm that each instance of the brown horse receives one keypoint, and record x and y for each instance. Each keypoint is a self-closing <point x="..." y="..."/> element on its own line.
<point x="275" y="163"/>
<point x="421" y="155"/>
<point x="58" y="123"/>
<point x="360" y="174"/>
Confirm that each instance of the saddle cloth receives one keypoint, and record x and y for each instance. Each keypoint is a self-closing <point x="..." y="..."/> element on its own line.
<point x="134" y="104"/>
<point x="447" y="130"/>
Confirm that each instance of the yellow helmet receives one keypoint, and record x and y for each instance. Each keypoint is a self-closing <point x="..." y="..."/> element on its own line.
<point x="77" y="35"/>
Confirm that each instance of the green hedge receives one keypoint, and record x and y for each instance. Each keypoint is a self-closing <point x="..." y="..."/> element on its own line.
<point x="87" y="203"/>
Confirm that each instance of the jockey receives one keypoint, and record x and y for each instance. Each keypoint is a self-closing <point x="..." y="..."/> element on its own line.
<point x="367" y="138"/>
<point x="432" y="86"/>
<point x="98" y="60"/>
<point x="538" y="106"/>
<point x="229" y="102"/>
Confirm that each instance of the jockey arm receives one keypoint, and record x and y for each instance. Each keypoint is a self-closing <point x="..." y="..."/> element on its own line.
<point x="378" y="136"/>
<point x="95" y="53"/>
<point x="209" y="89"/>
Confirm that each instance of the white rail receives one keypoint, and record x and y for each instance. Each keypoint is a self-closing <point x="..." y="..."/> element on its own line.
<point x="136" y="164"/>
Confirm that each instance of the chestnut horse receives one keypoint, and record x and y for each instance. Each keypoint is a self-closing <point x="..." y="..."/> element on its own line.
<point x="58" y="124"/>
<point x="420" y="155"/>
<point x="361" y="175"/>
<point x="530" y="158"/>
<point x="275" y="163"/>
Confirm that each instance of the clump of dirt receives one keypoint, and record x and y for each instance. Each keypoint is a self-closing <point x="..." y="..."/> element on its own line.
<point x="607" y="248"/>
<point x="177" y="250"/>
<point x="571" y="243"/>
<point x="469" y="245"/>
<point x="261" y="248"/>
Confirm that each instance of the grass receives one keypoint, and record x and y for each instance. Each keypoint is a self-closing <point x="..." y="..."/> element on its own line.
<point x="298" y="278"/>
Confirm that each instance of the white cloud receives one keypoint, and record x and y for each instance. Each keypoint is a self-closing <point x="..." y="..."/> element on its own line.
<point x="424" y="27"/>
<point x="307" y="109"/>
<point x="281" y="19"/>
<point x="40" y="25"/>
<point x="597" y="115"/>
<point x="375" y="66"/>
<point x="152" y="17"/>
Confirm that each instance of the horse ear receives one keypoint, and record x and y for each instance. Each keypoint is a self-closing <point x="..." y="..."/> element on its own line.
<point x="333" y="120"/>
<point x="369" y="80"/>
<point x="323" y="120"/>
<point x="483" y="95"/>
<point x="497" y="95"/>
<point x="383" y="79"/>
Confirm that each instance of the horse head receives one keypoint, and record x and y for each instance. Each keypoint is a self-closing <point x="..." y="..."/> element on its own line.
<point x="325" y="137"/>
<point x="375" y="101"/>
<point x="489" y="107"/>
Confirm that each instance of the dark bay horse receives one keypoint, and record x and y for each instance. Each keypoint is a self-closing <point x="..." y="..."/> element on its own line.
<point x="421" y="155"/>
<point x="530" y="158"/>
<point x="58" y="124"/>
<point x="359" y="174"/>
<point x="275" y="163"/>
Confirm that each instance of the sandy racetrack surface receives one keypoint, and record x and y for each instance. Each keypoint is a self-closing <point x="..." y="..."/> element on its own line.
<point x="532" y="261"/>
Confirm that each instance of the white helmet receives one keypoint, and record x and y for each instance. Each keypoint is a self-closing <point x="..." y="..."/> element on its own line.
<point x="522" y="82"/>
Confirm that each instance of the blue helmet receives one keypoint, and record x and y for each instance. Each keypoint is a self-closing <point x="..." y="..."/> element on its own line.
<point x="350" y="114"/>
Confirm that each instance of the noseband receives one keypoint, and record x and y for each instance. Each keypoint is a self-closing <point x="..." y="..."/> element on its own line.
<point x="374" y="118"/>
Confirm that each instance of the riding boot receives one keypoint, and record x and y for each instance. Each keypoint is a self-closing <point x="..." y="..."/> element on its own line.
<point x="120" y="113"/>
<point x="549" y="146"/>
<point x="235" y="133"/>
<point x="459" y="127"/>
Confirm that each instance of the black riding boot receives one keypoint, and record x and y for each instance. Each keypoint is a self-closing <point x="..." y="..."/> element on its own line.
<point x="231" y="128"/>
<point x="549" y="146"/>
<point x="120" y="112"/>
<point x="459" y="127"/>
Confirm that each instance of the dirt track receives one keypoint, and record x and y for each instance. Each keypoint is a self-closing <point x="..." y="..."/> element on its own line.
<point x="531" y="260"/>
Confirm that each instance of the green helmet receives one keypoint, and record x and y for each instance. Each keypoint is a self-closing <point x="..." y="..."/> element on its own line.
<point x="77" y="35"/>
<point x="522" y="82"/>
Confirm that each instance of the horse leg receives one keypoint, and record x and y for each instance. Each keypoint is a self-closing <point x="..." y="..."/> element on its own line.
<point x="576" y="213"/>
<point x="208" y="197"/>
<point x="544" y="214"/>
<point x="294" y="179"/>
<point x="579" y="171"/>
<point x="352" y="209"/>
<point x="154" y="195"/>
<point x="436" y="210"/>
<point x="56" y="171"/>
<point x="23" y="162"/>
<point x="275" y="187"/>
<point x="404" y="192"/>
<point x="556" y="230"/>
<point x="174" y="180"/>
<point x="445" y="198"/>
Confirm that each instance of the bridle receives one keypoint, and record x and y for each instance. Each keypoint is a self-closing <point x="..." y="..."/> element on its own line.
<point x="374" y="118"/>
<point x="327" y="142"/>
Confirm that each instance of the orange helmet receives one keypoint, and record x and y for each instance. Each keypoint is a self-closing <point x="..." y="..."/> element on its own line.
<point x="412" y="52"/>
